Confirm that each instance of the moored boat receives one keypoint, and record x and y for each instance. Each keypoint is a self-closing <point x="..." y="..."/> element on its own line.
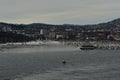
<point x="87" y="46"/>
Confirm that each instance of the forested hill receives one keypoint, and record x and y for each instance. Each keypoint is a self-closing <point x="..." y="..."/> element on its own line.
<point x="12" y="37"/>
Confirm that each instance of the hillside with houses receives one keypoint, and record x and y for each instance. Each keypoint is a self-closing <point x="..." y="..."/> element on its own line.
<point x="26" y="32"/>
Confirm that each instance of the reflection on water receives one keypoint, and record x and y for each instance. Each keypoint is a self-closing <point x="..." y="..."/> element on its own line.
<point x="45" y="63"/>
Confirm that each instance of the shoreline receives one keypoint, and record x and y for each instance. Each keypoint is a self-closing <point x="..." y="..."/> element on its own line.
<point x="27" y="44"/>
<point x="103" y="45"/>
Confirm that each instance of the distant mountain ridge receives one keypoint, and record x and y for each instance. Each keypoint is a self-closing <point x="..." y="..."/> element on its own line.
<point x="114" y="24"/>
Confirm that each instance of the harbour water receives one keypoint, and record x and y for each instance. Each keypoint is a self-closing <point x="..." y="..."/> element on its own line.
<point x="45" y="63"/>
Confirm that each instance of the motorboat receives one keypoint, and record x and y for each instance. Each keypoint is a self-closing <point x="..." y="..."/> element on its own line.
<point x="87" y="46"/>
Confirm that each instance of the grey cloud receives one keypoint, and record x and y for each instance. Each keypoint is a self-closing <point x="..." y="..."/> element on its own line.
<point x="59" y="11"/>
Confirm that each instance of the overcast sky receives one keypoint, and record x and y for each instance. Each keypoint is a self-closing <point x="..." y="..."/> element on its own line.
<point x="59" y="11"/>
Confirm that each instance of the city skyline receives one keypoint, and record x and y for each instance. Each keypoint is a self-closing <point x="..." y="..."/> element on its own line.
<point x="59" y="11"/>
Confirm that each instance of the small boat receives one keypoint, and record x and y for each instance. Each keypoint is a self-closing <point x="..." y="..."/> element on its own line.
<point x="64" y="62"/>
<point x="87" y="46"/>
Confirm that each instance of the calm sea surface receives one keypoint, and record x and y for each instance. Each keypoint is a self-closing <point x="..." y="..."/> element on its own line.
<point x="45" y="63"/>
